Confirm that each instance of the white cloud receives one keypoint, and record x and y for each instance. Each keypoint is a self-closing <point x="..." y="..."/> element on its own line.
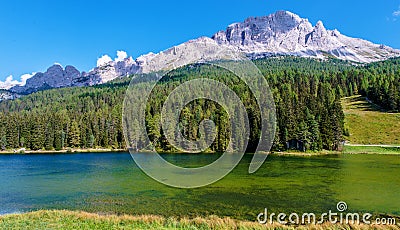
<point x="103" y="60"/>
<point x="396" y="13"/>
<point x="121" y="55"/>
<point x="10" y="82"/>
<point x="25" y="77"/>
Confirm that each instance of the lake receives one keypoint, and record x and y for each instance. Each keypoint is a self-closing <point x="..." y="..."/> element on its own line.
<point x="112" y="183"/>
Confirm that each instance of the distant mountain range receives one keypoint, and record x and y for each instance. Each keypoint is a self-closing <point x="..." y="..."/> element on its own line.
<point x="281" y="33"/>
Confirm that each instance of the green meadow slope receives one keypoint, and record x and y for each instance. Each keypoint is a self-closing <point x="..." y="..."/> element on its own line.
<point x="368" y="124"/>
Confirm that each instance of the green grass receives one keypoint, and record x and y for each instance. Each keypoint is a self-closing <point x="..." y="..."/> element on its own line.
<point x="82" y="220"/>
<point x="369" y="124"/>
<point x="371" y="150"/>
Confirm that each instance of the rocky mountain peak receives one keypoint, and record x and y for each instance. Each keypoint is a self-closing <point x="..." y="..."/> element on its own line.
<point x="55" y="68"/>
<point x="319" y="30"/>
<point x="54" y="77"/>
<point x="284" y="21"/>
<point x="285" y="33"/>
<point x="319" y="25"/>
<point x="262" y="29"/>
<point x="280" y="33"/>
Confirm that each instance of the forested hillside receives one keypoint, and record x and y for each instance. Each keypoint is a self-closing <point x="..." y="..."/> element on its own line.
<point x="307" y="94"/>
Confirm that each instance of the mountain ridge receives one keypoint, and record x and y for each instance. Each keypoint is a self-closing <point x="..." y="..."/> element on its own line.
<point x="281" y="33"/>
<point x="287" y="33"/>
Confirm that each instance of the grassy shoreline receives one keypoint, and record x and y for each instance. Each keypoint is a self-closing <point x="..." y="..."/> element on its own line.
<point x="306" y="154"/>
<point x="363" y="149"/>
<point x="63" y="219"/>
<point x="64" y="151"/>
<point x="348" y="149"/>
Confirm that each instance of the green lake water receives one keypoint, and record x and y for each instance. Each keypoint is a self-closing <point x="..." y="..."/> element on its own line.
<point x="112" y="183"/>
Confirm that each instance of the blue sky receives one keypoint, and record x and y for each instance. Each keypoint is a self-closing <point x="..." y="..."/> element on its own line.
<point x="36" y="34"/>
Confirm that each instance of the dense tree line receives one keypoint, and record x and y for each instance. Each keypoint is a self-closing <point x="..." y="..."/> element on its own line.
<point x="380" y="82"/>
<point x="69" y="117"/>
<point x="307" y="95"/>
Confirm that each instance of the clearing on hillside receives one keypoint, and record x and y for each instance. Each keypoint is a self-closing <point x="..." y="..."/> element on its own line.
<point x="368" y="124"/>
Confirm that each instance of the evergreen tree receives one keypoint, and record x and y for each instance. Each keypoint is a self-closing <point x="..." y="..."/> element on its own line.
<point x="3" y="143"/>
<point x="74" y="135"/>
